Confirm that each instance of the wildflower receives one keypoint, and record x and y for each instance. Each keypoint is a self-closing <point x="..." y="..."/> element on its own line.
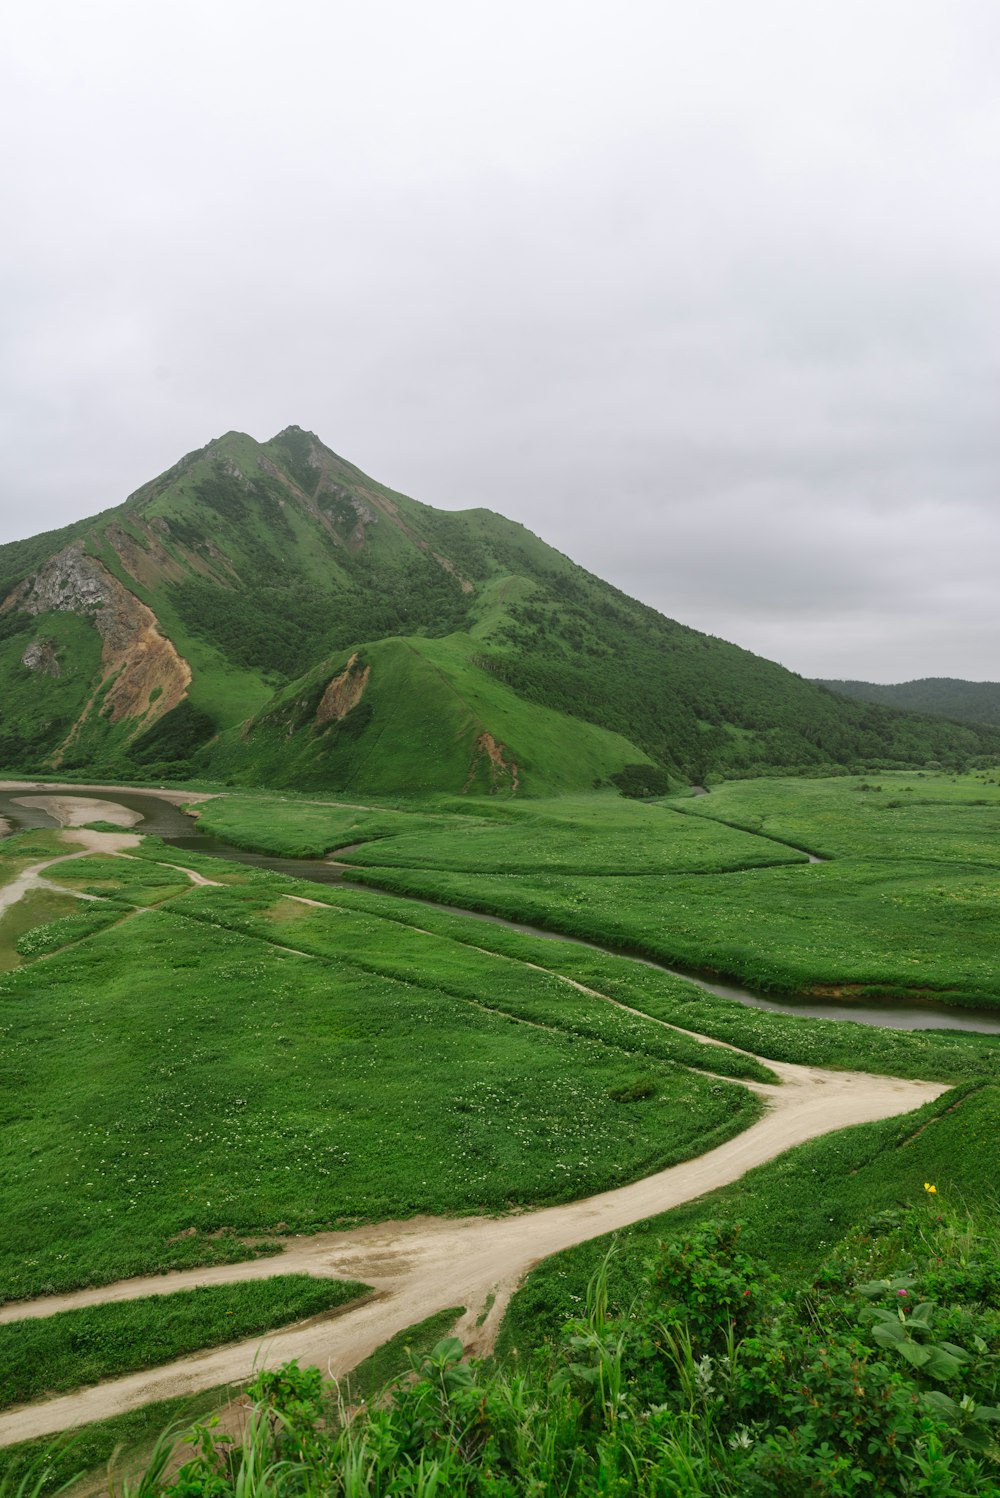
<point x="901" y="1293"/>
<point x="931" y="1190"/>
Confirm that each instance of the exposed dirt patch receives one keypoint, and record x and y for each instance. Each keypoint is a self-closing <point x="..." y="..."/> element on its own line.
<point x="449" y="566"/>
<point x="77" y="811"/>
<point x="148" y="562"/>
<point x="176" y="798"/>
<point x="502" y="772"/>
<point x="343" y="693"/>
<point x="144" y="663"/>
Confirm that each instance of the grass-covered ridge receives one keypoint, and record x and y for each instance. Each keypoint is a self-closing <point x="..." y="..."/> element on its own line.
<point x="430" y="719"/>
<point x="944" y="696"/>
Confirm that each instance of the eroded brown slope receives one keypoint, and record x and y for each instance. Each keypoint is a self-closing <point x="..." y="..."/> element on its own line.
<point x="142" y="674"/>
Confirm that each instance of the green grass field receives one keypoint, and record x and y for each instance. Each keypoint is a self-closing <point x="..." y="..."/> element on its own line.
<point x="359" y="1077"/>
<point x="593" y="834"/>
<point x="916" y="816"/>
<point x="904" y="907"/>
<point x="371" y="1057"/>
<point x="366" y="1056"/>
<point x="54" y="1354"/>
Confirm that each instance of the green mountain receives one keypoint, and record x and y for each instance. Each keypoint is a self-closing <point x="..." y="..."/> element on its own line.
<point x="942" y="696"/>
<point x="266" y="613"/>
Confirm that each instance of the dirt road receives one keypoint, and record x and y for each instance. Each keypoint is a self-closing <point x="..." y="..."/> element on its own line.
<point x="424" y="1265"/>
<point x="85" y="840"/>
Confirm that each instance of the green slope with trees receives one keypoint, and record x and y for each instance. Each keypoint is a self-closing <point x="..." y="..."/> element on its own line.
<point x="267" y="566"/>
<point x="941" y="696"/>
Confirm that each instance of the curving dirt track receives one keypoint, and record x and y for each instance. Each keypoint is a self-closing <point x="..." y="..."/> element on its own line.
<point x="424" y="1265"/>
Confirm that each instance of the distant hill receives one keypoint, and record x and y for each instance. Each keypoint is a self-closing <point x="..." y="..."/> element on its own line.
<point x="943" y="696"/>
<point x="268" y="614"/>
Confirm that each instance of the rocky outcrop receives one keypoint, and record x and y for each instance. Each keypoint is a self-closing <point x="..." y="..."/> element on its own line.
<point x="41" y="656"/>
<point x="137" y="662"/>
<point x="343" y="693"/>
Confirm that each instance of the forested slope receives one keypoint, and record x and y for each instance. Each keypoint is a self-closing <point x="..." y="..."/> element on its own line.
<point x="943" y="696"/>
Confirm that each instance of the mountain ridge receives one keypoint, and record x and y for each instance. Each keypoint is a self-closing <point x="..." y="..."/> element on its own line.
<point x="941" y="696"/>
<point x="198" y="627"/>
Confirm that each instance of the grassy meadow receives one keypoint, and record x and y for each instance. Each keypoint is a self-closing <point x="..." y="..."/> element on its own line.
<point x="354" y="1071"/>
<point x="903" y="906"/>
<point x="370" y="1056"/>
<point x="189" y="1071"/>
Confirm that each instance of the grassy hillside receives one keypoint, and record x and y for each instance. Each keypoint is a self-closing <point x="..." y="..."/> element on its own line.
<point x="197" y="627"/>
<point x="422" y="724"/>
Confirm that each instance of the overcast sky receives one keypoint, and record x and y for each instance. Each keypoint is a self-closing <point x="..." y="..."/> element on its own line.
<point x="707" y="294"/>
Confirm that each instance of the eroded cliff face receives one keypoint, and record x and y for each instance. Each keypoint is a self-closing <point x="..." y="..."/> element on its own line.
<point x="136" y="658"/>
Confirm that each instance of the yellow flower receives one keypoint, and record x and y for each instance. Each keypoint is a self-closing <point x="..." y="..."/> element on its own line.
<point x="931" y="1190"/>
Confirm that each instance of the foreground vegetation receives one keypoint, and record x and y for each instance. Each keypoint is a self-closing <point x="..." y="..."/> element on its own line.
<point x="880" y="1374"/>
<point x="115" y="1453"/>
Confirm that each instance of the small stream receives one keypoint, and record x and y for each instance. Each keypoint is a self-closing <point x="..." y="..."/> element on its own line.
<point x="162" y="819"/>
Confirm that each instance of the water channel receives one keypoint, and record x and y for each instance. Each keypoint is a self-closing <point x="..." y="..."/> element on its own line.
<point x="162" y="819"/>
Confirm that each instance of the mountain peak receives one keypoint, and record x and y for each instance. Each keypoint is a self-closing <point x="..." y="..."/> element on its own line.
<point x="258" y="571"/>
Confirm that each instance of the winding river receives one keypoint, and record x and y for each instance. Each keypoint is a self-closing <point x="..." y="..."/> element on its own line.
<point x="163" y="819"/>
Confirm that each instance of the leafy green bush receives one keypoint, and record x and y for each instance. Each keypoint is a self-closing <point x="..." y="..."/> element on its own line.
<point x="638" y="781"/>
